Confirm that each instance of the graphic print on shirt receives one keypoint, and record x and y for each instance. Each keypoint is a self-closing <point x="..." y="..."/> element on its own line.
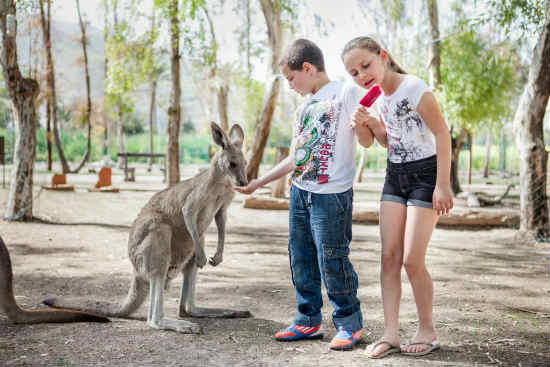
<point x="405" y="133"/>
<point x="315" y="141"/>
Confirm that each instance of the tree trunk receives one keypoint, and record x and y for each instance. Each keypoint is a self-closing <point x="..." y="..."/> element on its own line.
<point x="456" y="143"/>
<point x="22" y="93"/>
<point x="83" y="41"/>
<point x="279" y="186"/>
<point x="528" y="122"/>
<point x="174" y="111"/>
<point x="272" y="14"/>
<point x="120" y="135"/>
<point x="262" y="130"/>
<point x="470" y="156"/>
<point x="49" y="133"/>
<point x="222" y="106"/>
<point x="106" y="140"/>
<point x="487" y="155"/>
<point x="50" y="77"/>
<point x="503" y="149"/>
<point x="361" y="167"/>
<point x="434" y="49"/>
<point x="152" y="110"/>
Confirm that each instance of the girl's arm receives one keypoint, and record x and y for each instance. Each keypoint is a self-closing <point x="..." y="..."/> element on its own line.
<point x="429" y="110"/>
<point x="365" y="137"/>
<point x="362" y="117"/>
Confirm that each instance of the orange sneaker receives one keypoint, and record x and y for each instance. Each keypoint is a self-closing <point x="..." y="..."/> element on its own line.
<point x="297" y="332"/>
<point x="346" y="339"/>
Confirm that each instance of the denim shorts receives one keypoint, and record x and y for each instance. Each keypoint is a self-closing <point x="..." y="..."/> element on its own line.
<point x="411" y="183"/>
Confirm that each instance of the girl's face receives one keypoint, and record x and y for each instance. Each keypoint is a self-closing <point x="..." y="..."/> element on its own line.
<point x="365" y="67"/>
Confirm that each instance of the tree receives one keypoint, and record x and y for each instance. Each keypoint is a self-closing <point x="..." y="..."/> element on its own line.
<point x="88" y="112"/>
<point x="528" y="122"/>
<point x="271" y="10"/>
<point x="474" y="93"/>
<point x="22" y="93"/>
<point x="519" y="19"/>
<point x="45" y="20"/>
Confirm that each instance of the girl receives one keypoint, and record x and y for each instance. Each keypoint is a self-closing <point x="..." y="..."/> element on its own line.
<point x="416" y="189"/>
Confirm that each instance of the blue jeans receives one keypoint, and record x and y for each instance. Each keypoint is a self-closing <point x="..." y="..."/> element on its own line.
<point x="319" y="239"/>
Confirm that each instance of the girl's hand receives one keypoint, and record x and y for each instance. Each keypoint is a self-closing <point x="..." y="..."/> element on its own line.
<point x="442" y="199"/>
<point x="248" y="189"/>
<point x="363" y="117"/>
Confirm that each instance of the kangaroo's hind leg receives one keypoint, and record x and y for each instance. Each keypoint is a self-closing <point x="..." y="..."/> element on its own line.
<point x="187" y="300"/>
<point x="156" y="258"/>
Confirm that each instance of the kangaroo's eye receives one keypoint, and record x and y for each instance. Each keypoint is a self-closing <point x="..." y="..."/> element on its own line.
<point x="232" y="165"/>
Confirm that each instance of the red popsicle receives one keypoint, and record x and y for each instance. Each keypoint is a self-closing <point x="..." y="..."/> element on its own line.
<point x="371" y="96"/>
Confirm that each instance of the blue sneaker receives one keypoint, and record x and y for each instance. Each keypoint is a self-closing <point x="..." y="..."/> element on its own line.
<point x="297" y="332"/>
<point x="346" y="339"/>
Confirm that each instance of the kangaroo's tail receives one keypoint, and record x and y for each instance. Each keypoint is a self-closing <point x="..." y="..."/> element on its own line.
<point x="21" y="316"/>
<point x="135" y="298"/>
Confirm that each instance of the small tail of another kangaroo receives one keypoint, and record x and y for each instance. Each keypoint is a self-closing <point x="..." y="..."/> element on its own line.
<point x="135" y="298"/>
<point x="19" y="315"/>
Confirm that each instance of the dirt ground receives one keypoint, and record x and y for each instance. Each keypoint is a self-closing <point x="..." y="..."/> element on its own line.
<point x="492" y="292"/>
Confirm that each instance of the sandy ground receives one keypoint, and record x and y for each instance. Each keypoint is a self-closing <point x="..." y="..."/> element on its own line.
<point x="492" y="291"/>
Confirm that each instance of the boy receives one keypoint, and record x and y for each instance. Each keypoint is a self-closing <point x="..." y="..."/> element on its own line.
<point x="321" y="196"/>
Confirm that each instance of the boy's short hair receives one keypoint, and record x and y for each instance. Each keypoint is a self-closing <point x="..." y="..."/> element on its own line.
<point x="300" y="51"/>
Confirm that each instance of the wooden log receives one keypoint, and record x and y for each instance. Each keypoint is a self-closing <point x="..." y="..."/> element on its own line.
<point x="369" y="214"/>
<point x="263" y="202"/>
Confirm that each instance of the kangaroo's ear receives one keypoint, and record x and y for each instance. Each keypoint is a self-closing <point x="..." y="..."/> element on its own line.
<point x="236" y="135"/>
<point x="219" y="135"/>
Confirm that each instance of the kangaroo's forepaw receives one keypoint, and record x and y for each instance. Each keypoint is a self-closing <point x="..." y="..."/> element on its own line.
<point x="215" y="260"/>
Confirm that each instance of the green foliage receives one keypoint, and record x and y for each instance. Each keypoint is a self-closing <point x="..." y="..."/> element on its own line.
<point x="524" y="15"/>
<point x="253" y="92"/>
<point x="478" y="83"/>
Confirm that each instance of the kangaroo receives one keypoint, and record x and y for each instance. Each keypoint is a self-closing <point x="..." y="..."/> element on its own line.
<point x="167" y="238"/>
<point x="18" y="315"/>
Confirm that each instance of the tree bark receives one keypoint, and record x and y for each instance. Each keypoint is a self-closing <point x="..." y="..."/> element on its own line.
<point x="152" y="115"/>
<point x="487" y="154"/>
<point x="434" y="49"/>
<point x="22" y="93"/>
<point x="470" y="156"/>
<point x="503" y="149"/>
<point x="120" y="135"/>
<point x="528" y="122"/>
<point x="456" y="143"/>
<point x="50" y="77"/>
<point x="272" y="14"/>
<point x="279" y="186"/>
<point x="223" y="91"/>
<point x="49" y="133"/>
<point x="174" y="111"/>
<point x="106" y="139"/>
<point x="88" y="112"/>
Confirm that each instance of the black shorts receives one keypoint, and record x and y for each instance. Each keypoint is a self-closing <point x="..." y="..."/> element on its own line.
<point x="411" y="183"/>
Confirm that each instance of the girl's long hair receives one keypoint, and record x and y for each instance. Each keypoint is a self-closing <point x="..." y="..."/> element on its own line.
<point x="370" y="44"/>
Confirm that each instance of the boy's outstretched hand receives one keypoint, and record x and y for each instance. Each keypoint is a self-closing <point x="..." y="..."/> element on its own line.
<point x="442" y="199"/>
<point x="248" y="189"/>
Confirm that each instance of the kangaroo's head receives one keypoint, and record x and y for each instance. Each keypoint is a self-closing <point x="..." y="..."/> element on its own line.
<point x="231" y="158"/>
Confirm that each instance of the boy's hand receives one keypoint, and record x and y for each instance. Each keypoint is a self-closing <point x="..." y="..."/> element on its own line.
<point x="363" y="117"/>
<point x="442" y="199"/>
<point x="248" y="189"/>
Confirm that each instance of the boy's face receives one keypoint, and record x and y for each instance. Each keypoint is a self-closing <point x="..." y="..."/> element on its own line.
<point x="299" y="81"/>
<point x="365" y="67"/>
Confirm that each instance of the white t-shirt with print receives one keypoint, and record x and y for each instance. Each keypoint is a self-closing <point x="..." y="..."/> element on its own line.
<point x="324" y="143"/>
<point x="409" y="138"/>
